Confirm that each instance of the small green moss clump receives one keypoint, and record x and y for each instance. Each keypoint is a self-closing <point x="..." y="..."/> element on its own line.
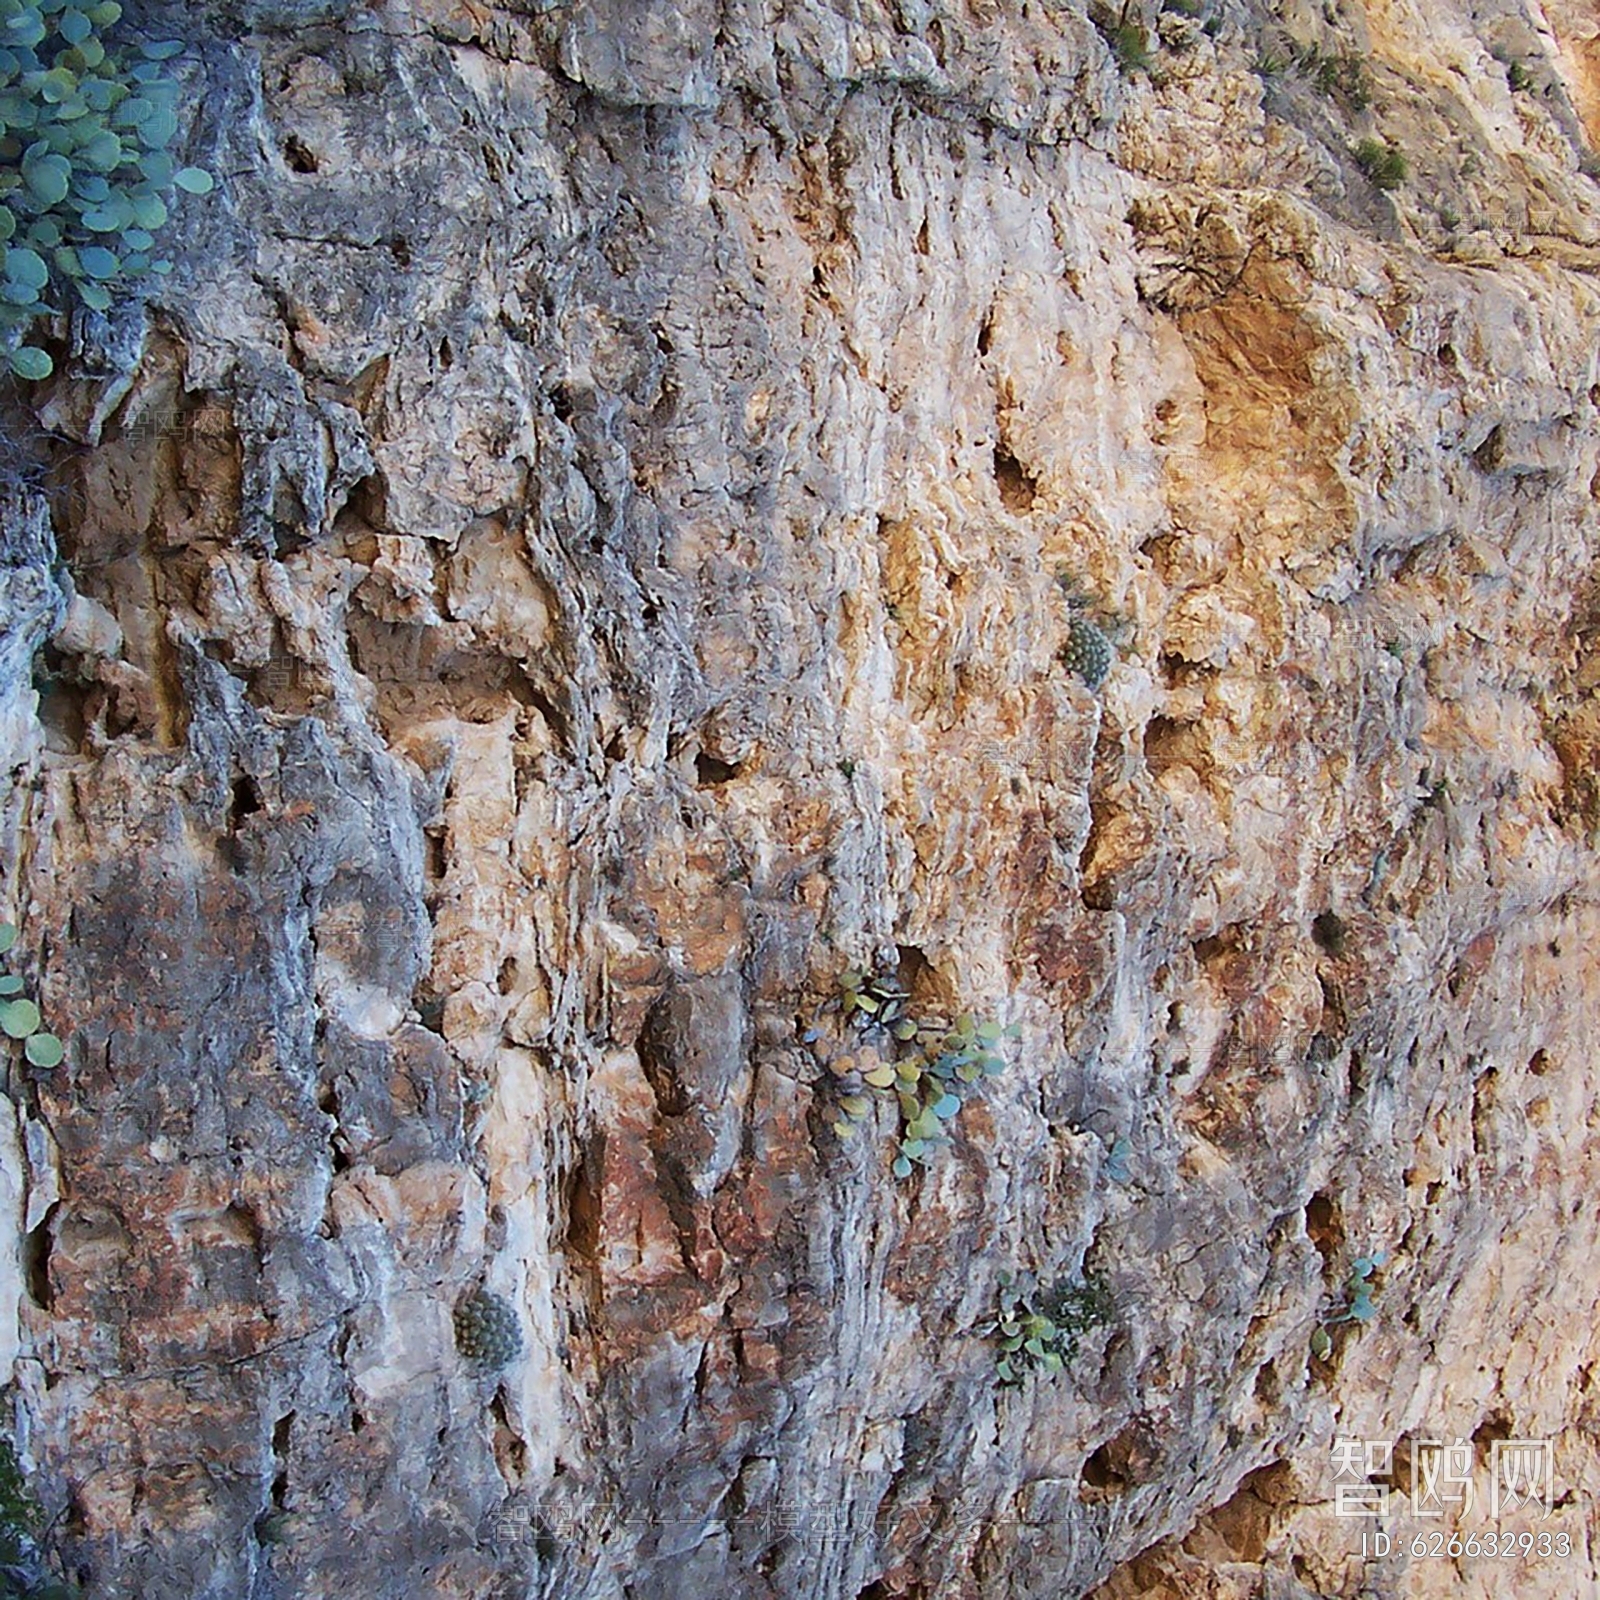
<point x="1384" y="166"/>
<point x="488" y="1333"/>
<point x="1130" y="47"/>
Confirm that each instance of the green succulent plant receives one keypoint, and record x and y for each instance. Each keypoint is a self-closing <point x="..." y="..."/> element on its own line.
<point x="19" y="1016"/>
<point x="85" y="175"/>
<point x="931" y="1069"/>
<point x="1358" y="1303"/>
<point x="1039" y="1328"/>
<point x="488" y="1333"/>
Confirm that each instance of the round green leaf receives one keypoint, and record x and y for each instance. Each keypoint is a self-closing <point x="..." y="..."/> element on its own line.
<point x="103" y="219"/>
<point x="881" y="1077"/>
<point x="8" y="936"/>
<point x="104" y="151"/>
<point x="161" y="50"/>
<point x="44" y="233"/>
<point x="902" y="1167"/>
<point x="856" y="1104"/>
<point x="25" y="30"/>
<point x="87" y="56"/>
<point x="98" y="262"/>
<point x="29" y="363"/>
<point x="57" y="85"/>
<point x="10" y="983"/>
<point x="24" y="266"/>
<point x="157" y="167"/>
<point x="101" y="94"/>
<point x="92" y="187"/>
<point x="132" y="112"/>
<point x="44" y="1050"/>
<point x="946" y="1106"/>
<point x="95" y="296"/>
<point x="162" y="267"/>
<point x="137" y="238"/>
<point x="196" y="180"/>
<point x="19" y="1018"/>
<point x="48" y="178"/>
<point x="18" y="294"/>
<point x="104" y="14"/>
<point x="158" y="128"/>
<point x="74" y="27"/>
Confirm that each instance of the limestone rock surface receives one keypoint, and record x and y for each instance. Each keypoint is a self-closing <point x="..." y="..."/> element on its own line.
<point x="578" y="556"/>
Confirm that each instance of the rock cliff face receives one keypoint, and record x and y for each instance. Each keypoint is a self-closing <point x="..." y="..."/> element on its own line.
<point x="579" y="558"/>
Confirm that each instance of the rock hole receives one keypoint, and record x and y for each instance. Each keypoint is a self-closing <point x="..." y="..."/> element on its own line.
<point x="1328" y="932"/>
<point x="986" y="333"/>
<point x="297" y="156"/>
<point x="510" y="1450"/>
<point x="246" y="801"/>
<point x="433" y="854"/>
<point x="709" y="771"/>
<point x="1325" y="1226"/>
<point x="1018" y="488"/>
<point x="1488" y="456"/>
<point x="1102" y="1471"/>
<point x="1168" y="743"/>
<point x="36" y="1259"/>
<point x="280" y="1456"/>
<point x="583" y="1201"/>
<point x="1539" y="1063"/>
<point x="506" y="979"/>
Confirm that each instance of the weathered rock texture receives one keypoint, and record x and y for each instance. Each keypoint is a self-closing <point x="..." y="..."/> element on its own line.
<point x="571" y="564"/>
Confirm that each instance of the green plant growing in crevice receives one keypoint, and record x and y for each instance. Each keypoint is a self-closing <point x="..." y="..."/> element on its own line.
<point x="929" y="1070"/>
<point x="84" y="171"/>
<point x="23" y="1575"/>
<point x="1384" y="166"/>
<point x="1130" y="47"/>
<point x="1357" y="1304"/>
<point x="1089" y="650"/>
<point x="19" y="1016"/>
<point x="1518" y="78"/>
<point x="1335" y="76"/>
<point x="1039" y="1329"/>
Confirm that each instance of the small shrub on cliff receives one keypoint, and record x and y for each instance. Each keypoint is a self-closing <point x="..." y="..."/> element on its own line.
<point x="84" y="171"/>
<point x="929" y="1068"/>
<point x="1039" y="1329"/>
<point x="23" y="1574"/>
<point x="1385" y="167"/>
